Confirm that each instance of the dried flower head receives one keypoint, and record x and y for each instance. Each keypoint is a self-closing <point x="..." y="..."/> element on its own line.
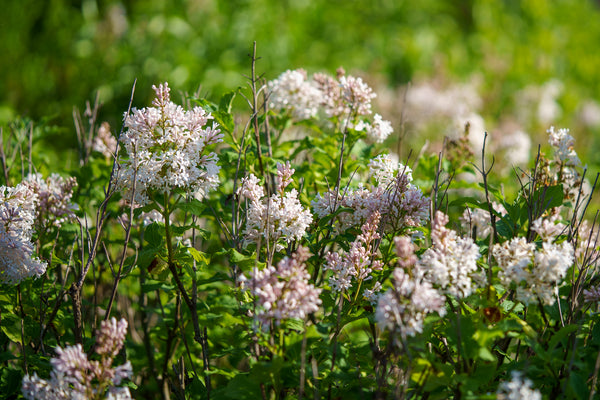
<point x="166" y="148"/>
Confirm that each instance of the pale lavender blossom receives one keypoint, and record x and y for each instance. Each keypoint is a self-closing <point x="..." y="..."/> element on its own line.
<point x="451" y="262"/>
<point x="166" y="148"/>
<point x="284" y="292"/>
<point x="74" y="376"/>
<point x="17" y="218"/>
<point x="518" y="388"/>
<point x="405" y="249"/>
<point x="358" y="262"/>
<point x="293" y="92"/>
<point x="592" y="295"/>
<point x="548" y="228"/>
<point x="280" y="217"/>
<point x="373" y="294"/>
<point x="403" y="308"/>
<point x="54" y="206"/>
<point x="104" y="142"/>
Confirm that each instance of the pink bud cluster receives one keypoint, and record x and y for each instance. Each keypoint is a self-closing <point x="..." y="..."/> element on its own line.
<point x="166" y="148"/>
<point x="74" y="376"/>
<point x="284" y="292"/>
<point x="359" y="261"/>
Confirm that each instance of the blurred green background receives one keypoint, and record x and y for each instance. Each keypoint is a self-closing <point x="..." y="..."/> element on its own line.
<point x="56" y="54"/>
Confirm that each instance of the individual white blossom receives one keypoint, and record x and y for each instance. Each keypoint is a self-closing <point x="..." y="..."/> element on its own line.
<point x="518" y="388"/>
<point x="18" y="207"/>
<point x="377" y="131"/>
<point x="74" y="376"/>
<point x="403" y="308"/>
<point x="280" y="217"/>
<point x="166" y="148"/>
<point x="451" y="262"/>
<point x="284" y="292"/>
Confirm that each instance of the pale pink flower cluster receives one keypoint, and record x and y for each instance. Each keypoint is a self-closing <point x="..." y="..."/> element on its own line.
<point x="284" y="292"/>
<point x="344" y="99"/>
<point x="359" y="261"/>
<point x="74" y="376"/>
<point x="536" y="272"/>
<point x="518" y="388"/>
<point x="166" y="148"/>
<point x="18" y="207"/>
<point x="104" y="142"/>
<point x="280" y="217"/>
<point x="478" y="220"/>
<point x="400" y="203"/>
<point x="403" y="308"/>
<point x="451" y="262"/>
<point x="54" y="206"/>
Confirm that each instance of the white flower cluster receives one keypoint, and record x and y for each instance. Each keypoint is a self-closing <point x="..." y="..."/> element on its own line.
<point x="53" y="199"/>
<point x="402" y="309"/>
<point x="292" y="91"/>
<point x="451" y="263"/>
<point x="342" y="98"/>
<point x="166" y="149"/>
<point x="518" y="388"/>
<point x="281" y="216"/>
<point x="358" y="262"/>
<point x="564" y="144"/>
<point x="17" y="218"/>
<point x="535" y="272"/>
<point x="285" y="292"/>
<point x="400" y="203"/>
<point x="479" y="221"/>
<point x="74" y="376"/>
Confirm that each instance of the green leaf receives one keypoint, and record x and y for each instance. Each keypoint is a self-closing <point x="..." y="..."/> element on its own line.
<point x="154" y="234"/>
<point x="152" y="285"/>
<point x="11" y="326"/>
<point x="193" y="206"/>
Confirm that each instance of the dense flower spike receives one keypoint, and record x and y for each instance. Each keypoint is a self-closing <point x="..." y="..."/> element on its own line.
<point x="279" y="217"/>
<point x="358" y="262"/>
<point x="401" y="204"/>
<point x="563" y="144"/>
<point x="54" y="199"/>
<point x="74" y="376"/>
<point x="104" y="142"/>
<point x="451" y="262"/>
<point x="518" y="388"/>
<point x="17" y="218"/>
<point x="403" y="308"/>
<point x="166" y="148"/>
<point x="536" y="272"/>
<point x="284" y="292"/>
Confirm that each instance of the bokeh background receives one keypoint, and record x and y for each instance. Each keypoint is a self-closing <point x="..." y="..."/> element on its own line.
<point x="503" y="66"/>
